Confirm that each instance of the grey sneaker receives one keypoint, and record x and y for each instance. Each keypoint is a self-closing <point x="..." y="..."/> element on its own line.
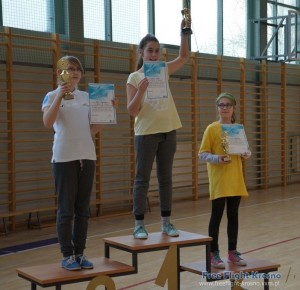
<point x="140" y="233"/>
<point x="170" y="230"/>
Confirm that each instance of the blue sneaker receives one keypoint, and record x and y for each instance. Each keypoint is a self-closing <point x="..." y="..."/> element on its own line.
<point x="84" y="262"/>
<point x="140" y="233"/>
<point x="170" y="230"/>
<point x="70" y="263"/>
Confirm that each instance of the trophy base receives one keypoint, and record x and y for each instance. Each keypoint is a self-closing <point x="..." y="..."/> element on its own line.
<point x="186" y="31"/>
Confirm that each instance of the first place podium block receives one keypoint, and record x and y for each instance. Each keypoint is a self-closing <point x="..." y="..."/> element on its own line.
<point x="170" y="269"/>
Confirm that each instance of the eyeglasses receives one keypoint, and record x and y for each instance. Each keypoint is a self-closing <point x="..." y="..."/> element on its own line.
<point x="72" y="70"/>
<point x="225" y="106"/>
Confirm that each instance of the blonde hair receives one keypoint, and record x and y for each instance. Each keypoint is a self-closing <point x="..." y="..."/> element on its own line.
<point x="70" y="59"/>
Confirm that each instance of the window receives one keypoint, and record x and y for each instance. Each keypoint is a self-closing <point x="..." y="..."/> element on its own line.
<point x="234" y="28"/>
<point x="32" y="15"/>
<point x="167" y="21"/>
<point x="275" y="11"/>
<point x="204" y="26"/>
<point x="129" y="20"/>
<point x="94" y="19"/>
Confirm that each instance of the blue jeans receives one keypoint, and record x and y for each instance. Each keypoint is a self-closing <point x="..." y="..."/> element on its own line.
<point x="73" y="184"/>
<point x="147" y="147"/>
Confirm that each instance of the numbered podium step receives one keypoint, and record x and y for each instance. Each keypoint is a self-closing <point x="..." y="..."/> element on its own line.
<point x="49" y="275"/>
<point x="170" y="269"/>
<point x="254" y="268"/>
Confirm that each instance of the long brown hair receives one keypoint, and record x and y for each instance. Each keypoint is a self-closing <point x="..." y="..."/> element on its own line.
<point x="144" y="41"/>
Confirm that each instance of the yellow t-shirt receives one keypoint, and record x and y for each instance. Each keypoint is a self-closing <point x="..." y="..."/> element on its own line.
<point x="155" y="115"/>
<point x="224" y="179"/>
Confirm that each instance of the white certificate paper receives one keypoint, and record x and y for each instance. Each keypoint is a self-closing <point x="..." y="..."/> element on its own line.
<point x="102" y="110"/>
<point x="236" y="138"/>
<point x="155" y="72"/>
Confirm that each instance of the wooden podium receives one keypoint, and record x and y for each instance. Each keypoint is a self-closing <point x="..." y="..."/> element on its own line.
<point x="105" y="268"/>
<point x="170" y="269"/>
<point x="50" y="275"/>
<point x="253" y="266"/>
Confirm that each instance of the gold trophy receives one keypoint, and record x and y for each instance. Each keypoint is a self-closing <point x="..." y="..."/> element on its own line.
<point x="186" y="13"/>
<point x="225" y="145"/>
<point x="64" y="77"/>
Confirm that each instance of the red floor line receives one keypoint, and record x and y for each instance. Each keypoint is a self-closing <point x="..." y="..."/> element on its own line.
<point x="271" y="245"/>
<point x="257" y="249"/>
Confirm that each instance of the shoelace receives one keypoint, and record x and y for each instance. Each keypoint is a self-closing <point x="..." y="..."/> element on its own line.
<point x="237" y="255"/>
<point x="170" y="227"/>
<point x="82" y="258"/>
<point x="70" y="260"/>
<point x="140" y="229"/>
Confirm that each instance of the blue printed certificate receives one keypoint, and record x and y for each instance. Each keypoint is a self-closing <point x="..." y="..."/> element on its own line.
<point x="235" y="138"/>
<point x="155" y="72"/>
<point x="102" y="110"/>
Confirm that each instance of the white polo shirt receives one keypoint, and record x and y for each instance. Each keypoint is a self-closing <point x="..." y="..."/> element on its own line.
<point x="72" y="137"/>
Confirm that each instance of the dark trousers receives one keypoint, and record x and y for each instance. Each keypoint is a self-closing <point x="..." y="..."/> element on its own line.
<point x="73" y="184"/>
<point x="232" y="209"/>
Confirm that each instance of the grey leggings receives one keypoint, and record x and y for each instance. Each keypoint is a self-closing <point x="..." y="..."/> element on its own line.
<point x="161" y="146"/>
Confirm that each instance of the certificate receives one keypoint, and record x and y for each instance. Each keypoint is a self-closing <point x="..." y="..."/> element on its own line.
<point x="155" y="72"/>
<point x="235" y="138"/>
<point x="102" y="110"/>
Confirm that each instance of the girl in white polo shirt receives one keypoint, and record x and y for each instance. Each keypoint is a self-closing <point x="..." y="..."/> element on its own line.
<point x="66" y="110"/>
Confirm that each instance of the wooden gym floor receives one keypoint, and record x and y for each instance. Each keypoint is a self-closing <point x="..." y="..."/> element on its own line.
<point x="269" y="229"/>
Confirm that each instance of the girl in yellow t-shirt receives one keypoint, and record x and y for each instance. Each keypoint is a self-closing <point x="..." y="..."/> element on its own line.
<point x="226" y="181"/>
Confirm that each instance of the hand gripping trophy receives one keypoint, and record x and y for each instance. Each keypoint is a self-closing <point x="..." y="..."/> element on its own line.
<point x="64" y="77"/>
<point x="186" y="13"/>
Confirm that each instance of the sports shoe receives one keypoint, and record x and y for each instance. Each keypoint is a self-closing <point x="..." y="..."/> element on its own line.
<point x="70" y="263"/>
<point x="84" y="262"/>
<point x="140" y="233"/>
<point x="235" y="258"/>
<point x="216" y="261"/>
<point x="170" y="230"/>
